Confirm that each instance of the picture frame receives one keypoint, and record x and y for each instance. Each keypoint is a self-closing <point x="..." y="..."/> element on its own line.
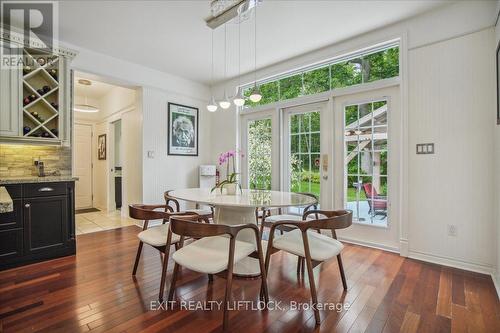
<point x="498" y="83"/>
<point x="101" y="147"/>
<point x="183" y="123"/>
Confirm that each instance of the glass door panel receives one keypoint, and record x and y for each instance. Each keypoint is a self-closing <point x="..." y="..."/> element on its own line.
<point x="365" y="161"/>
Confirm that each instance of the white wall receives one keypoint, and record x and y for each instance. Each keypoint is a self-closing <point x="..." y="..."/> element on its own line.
<point x="448" y="78"/>
<point x="451" y="98"/>
<point x="163" y="172"/>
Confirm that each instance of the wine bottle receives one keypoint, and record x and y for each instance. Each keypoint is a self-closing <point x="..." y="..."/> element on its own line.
<point x="26" y="70"/>
<point x="26" y="129"/>
<point x="53" y="73"/>
<point x="55" y="105"/>
<point x="41" y="61"/>
<point x="45" y="135"/>
<point x="40" y="91"/>
<point x="46" y="89"/>
<point x="54" y="131"/>
<point x="26" y="100"/>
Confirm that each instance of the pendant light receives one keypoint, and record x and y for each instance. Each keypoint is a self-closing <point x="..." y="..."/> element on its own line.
<point x="224" y="103"/>
<point x="85" y="107"/>
<point x="255" y="95"/>
<point x="212" y="106"/>
<point x="239" y="99"/>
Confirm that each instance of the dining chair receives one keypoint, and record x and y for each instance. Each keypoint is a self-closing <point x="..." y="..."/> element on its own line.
<point x="215" y="252"/>
<point x="267" y="220"/>
<point x="170" y="201"/>
<point x="314" y="247"/>
<point x="156" y="236"/>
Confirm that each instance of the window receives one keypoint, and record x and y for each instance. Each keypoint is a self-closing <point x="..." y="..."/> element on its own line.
<point x="304" y="129"/>
<point x="365" y="140"/>
<point x="368" y="67"/>
<point x="259" y="154"/>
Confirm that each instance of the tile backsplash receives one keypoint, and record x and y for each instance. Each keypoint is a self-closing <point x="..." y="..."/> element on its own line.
<point x="17" y="160"/>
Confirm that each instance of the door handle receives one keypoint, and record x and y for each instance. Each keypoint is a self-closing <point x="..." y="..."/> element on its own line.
<point x="45" y="189"/>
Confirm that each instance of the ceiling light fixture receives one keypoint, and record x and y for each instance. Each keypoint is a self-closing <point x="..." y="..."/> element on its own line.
<point x="212" y="105"/>
<point x="255" y="95"/>
<point x="85" y="107"/>
<point x="239" y="99"/>
<point x="224" y="103"/>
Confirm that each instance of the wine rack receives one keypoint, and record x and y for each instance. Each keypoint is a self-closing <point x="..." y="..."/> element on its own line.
<point x="40" y="95"/>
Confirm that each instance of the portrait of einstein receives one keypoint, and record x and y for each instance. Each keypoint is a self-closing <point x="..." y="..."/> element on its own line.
<point x="183" y="132"/>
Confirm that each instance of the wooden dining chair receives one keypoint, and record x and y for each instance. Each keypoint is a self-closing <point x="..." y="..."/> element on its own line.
<point x="214" y="253"/>
<point x="156" y="236"/>
<point x="267" y="220"/>
<point x="314" y="247"/>
<point x="170" y="201"/>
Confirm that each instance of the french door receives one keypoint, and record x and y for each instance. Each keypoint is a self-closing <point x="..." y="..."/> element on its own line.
<point x="302" y="149"/>
<point x="367" y="154"/>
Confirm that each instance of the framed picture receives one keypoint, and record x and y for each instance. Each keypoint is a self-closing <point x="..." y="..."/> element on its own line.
<point x="101" y="147"/>
<point x="182" y="130"/>
<point x="498" y="84"/>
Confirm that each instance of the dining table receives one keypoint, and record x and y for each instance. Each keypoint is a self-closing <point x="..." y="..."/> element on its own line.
<point x="240" y="208"/>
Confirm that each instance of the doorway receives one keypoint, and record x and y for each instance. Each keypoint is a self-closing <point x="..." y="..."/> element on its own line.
<point x="83" y="166"/>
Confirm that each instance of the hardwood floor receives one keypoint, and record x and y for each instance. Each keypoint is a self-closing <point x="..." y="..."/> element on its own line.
<point x="95" y="291"/>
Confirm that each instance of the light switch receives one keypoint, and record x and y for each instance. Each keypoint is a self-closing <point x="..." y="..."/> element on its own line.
<point x="151" y="154"/>
<point x="425" y="148"/>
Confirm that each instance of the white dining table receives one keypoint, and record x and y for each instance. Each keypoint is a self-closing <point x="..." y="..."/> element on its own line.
<point x="240" y="209"/>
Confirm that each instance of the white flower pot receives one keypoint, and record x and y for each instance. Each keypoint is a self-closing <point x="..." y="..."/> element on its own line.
<point x="230" y="189"/>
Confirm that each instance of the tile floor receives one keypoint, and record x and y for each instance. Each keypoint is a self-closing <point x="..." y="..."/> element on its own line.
<point x="98" y="221"/>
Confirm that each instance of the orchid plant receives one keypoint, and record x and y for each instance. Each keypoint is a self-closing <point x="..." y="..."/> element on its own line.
<point x="226" y="158"/>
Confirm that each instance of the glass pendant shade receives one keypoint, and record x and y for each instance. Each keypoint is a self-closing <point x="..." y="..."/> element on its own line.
<point x="224" y="103"/>
<point x="212" y="106"/>
<point x="239" y="99"/>
<point x="255" y="96"/>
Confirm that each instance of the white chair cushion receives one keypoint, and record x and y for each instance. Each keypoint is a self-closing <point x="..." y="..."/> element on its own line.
<point x="200" y="211"/>
<point x="322" y="247"/>
<point x="210" y="255"/>
<point x="157" y="236"/>
<point x="283" y="217"/>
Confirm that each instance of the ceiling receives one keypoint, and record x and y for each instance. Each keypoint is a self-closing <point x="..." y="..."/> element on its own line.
<point x="95" y="91"/>
<point x="171" y="36"/>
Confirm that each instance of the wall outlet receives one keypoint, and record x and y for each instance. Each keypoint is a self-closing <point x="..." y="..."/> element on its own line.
<point x="452" y="230"/>
<point x="151" y="154"/>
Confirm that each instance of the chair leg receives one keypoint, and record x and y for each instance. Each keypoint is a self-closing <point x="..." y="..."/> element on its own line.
<point x="172" y="284"/>
<point x="163" y="273"/>
<point x="137" y="257"/>
<point x="261" y="229"/>
<point x="299" y="264"/>
<point x="210" y="278"/>
<point x="342" y="274"/>
<point x="312" y="286"/>
<point x="227" y="298"/>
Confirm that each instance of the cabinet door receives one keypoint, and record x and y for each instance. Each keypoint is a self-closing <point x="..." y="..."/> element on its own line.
<point x="11" y="245"/>
<point x="10" y="109"/>
<point x="45" y="224"/>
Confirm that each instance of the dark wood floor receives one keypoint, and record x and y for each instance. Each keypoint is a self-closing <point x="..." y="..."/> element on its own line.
<point x="95" y="292"/>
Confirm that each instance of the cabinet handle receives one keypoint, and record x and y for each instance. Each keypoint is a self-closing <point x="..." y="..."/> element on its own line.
<point x="45" y="189"/>
<point x="27" y="205"/>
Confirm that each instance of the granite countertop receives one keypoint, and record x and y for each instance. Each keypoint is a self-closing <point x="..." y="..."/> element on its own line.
<point x="6" y="204"/>
<point x="35" y="179"/>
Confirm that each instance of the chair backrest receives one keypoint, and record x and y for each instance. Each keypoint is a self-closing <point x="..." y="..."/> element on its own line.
<point x="170" y="200"/>
<point x="185" y="227"/>
<point x="370" y="191"/>
<point x="150" y="212"/>
<point x="334" y="219"/>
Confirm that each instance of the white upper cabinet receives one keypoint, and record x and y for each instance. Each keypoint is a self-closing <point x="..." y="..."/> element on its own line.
<point x="35" y="96"/>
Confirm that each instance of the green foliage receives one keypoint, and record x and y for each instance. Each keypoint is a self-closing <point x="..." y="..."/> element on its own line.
<point x="376" y="66"/>
<point x="259" y="154"/>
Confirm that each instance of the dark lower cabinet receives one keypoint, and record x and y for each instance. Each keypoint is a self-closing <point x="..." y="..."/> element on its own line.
<point x="41" y="226"/>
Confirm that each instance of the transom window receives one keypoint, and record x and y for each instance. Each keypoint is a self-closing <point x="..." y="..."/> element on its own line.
<point x="362" y="68"/>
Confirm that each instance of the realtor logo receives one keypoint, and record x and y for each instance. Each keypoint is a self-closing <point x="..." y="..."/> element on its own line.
<point x="34" y="23"/>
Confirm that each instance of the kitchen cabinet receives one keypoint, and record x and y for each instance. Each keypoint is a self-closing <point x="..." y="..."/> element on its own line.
<point x="42" y="225"/>
<point x="35" y="94"/>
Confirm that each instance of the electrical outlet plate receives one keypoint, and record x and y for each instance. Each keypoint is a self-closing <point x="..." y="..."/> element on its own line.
<point x="452" y="230"/>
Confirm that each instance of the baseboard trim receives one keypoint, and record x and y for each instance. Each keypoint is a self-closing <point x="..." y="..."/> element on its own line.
<point x="495" y="277"/>
<point x="369" y="244"/>
<point x="478" y="268"/>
